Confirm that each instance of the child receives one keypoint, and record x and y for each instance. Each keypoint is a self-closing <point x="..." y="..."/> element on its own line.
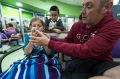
<point x="38" y="63"/>
<point x="54" y="23"/>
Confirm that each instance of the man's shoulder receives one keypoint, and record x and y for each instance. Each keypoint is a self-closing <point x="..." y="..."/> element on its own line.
<point x="115" y="23"/>
<point x="78" y="23"/>
<point x="111" y="27"/>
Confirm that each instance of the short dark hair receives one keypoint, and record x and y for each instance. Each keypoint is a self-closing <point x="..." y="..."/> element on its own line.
<point x="1" y="30"/>
<point x="54" y="8"/>
<point x="11" y="19"/>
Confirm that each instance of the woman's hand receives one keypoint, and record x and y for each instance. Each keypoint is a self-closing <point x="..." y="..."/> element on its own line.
<point x="50" y="27"/>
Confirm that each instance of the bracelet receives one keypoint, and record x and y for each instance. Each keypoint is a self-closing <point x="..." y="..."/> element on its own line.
<point x="31" y="44"/>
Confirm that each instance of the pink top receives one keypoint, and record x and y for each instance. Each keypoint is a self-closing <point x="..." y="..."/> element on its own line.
<point x="11" y="28"/>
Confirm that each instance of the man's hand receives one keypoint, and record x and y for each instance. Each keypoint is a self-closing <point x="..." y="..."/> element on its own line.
<point x="41" y="39"/>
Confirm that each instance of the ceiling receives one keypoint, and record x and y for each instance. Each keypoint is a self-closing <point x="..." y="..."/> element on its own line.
<point x="72" y="2"/>
<point x="43" y="5"/>
<point x="79" y="2"/>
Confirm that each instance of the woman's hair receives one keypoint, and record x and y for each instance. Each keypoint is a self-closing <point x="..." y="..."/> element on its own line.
<point x="36" y="19"/>
<point x="10" y="25"/>
<point x="1" y="30"/>
<point x="54" y="8"/>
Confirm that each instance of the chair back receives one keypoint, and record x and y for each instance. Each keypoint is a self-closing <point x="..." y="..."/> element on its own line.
<point x="9" y="33"/>
<point x="116" y="50"/>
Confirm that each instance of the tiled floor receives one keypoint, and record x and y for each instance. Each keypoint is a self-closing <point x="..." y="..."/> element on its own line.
<point x="19" y="54"/>
<point x="4" y="47"/>
<point x="11" y="58"/>
<point x="1" y="55"/>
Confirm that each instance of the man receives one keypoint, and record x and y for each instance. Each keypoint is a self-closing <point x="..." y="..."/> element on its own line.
<point x="89" y="43"/>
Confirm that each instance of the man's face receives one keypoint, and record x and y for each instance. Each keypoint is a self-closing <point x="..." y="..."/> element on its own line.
<point x="92" y="12"/>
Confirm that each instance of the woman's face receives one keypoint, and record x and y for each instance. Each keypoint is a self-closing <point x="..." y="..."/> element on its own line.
<point x="37" y="25"/>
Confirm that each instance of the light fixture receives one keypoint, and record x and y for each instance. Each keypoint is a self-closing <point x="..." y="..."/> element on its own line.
<point x="19" y="4"/>
<point x="115" y="2"/>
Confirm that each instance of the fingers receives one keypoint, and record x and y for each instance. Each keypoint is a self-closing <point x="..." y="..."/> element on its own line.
<point x="48" y="36"/>
<point x="42" y="40"/>
<point x="34" y="39"/>
<point x="40" y="34"/>
<point x="33" y="34"/>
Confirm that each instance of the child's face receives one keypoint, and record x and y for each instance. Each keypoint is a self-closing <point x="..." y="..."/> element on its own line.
<point x="37" y="25"/>
<point x="54" y="15"/>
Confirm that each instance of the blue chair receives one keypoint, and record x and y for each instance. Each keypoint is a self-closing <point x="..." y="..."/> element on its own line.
<point x="116" y="50"/>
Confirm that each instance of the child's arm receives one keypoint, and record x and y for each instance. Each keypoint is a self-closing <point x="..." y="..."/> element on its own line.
<point x="50" y="51"/>
<point x="27" y="45"/>
<point x="47" y="50"/>
<point x="28" y="49"/>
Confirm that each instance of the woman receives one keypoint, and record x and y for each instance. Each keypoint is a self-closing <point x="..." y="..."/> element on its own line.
<point x="38" y="63"/>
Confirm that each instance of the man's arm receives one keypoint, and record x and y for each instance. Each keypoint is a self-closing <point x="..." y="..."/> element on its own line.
<point x="96" y="46"/>
<point x="102" y="42"/>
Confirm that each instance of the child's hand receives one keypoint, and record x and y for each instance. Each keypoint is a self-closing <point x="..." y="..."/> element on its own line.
<point x="57" y="31"/>
<point x="50" y="27"/>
